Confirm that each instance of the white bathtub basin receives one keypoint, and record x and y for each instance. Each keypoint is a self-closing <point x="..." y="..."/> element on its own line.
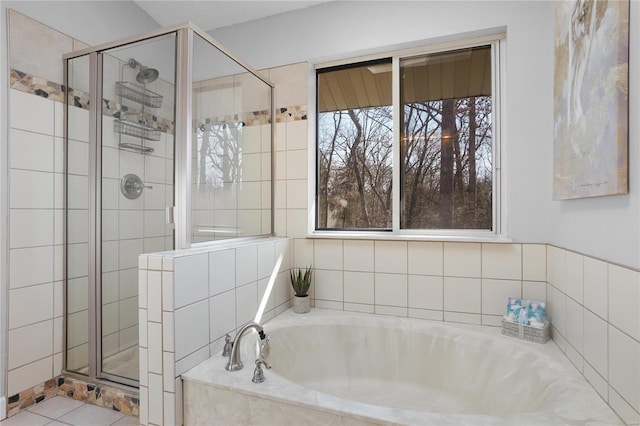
<point x="374" y="369"/>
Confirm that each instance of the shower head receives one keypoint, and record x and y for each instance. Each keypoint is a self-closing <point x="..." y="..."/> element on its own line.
<point x="145" y="75"/>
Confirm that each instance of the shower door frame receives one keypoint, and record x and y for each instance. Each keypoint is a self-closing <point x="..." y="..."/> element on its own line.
<point x="179" y="213"/>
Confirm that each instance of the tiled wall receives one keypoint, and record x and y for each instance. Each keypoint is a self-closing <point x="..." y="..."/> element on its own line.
<point x="458" y="282"/>
<point x="35" y="208"/>
<point x="189" y="300"/>
<point x="593" y="306"/>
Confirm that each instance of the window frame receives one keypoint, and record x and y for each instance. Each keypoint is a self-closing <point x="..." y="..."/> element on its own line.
<point x="499" y="228"/>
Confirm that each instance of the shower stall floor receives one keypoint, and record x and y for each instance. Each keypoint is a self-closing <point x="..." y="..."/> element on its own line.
<point x="124" y="364"/>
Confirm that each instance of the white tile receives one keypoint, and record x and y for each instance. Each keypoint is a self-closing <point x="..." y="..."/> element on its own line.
<point x="58" y="154"/>
<point x="622" y="408"/>
<point x="154" y="296"/>
<point x="391" y="257"/>
<point x="192" y="328"/>
<point x="595" y="342"/>
<point x="78" y="158"/>
<point x="394" y="311"/>
<point x="281" y="194"/>
<point x="358" y="287"/>
<point x="222" y="271"/>
<point x="191" y="279"/>
<point x="246" y="264"/>
<point x="328" y="285"/>
<point x="462" y="318"/>
<point x="154" y="170"/>
<point x="58" y="333"/>
<point x="492" y="320"/>
<point x="462" y="294"/>
<point x="358" y="255"/>
<point x="574" y="356"/>
<point x="426" y="292"/>
<point x="575" y="279"/>
<point x="142" y="288"/>
<point x="34" y="190"/>
<point x="128" y="283"/>
<point x="30" y="305"/>
<point x="329" y="304"/>
<point x="154" y="346"/>
<point x="596" y="287"/>
<point x="29" y="344"/>
<point x="624" y="367"/>
<point x="78" y="226"/>
<point x="30" y="151"/>
<point x="168" y="291"/>
<point x="496" y="293"/>
<point x="192" y="360"/>
<point x="425" y="258"/>
<point x="29" y="375"/>
<point x="462" y="260"/>
<point x="426" y="314"/>
<point x="328" y="254"/>
<point x="556" y="267"/>
<point x="575" y="324"/>
<point x="26" y="418"/>
<point x="297" y="164"/>
<point x="109" y="256"/>
<point x="31" y="112"/>
<point x="168" y="332"/>
<point x="249" y="195"/>
<point x="534" y="262"/>
<point x="502" y="261"/>
<point x="297" y="223"/>
<point x="91" y="415"/>
<point x="222" y="315"/>
<point x="77" y="260"/>
<point x="144" y="405"/>
<point x="246" y="303"/>
<point x="55" y="407"/>
<point x="534" y="290"/>
<point x="303" y="252"/>
<point x="169" y="404"/>
<point x="31" y="228"/>
<point x="283" y="288"/>
<point x="357" y="307"/>
<point x="154" y="223"/>
<point x="154" y="263"/>
<point x="297" y="137"/>
<point x="142" y="328"/>
<point x="557" y="309"/>
<point x="131" y="224"/>
<point x="624" y="298"/>
<point x="128" y="252"/>
<point x="21" y="270"/>
<point x="128" y="312"/>
<point x="266" y="259"/>
<point x="271" y="297"/>
<point x="596" y="381"/>
<point x="391" y="289"/>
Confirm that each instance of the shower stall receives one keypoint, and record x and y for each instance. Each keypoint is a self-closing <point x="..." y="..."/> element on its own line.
<point x="168" y="144"/>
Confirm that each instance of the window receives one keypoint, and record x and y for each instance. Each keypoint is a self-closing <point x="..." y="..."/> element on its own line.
<point x="407" y="144"/>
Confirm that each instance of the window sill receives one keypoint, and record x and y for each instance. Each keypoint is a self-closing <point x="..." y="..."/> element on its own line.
<point x="390" y="236"/>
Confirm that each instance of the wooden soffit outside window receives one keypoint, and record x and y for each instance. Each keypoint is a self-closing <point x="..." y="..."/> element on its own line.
<point x="451" y="75"/>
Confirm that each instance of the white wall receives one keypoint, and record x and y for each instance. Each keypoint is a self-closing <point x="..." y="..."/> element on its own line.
<point x="606" y="227"/>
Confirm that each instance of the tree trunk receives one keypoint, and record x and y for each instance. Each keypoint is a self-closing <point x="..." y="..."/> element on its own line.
<point x="354" y="166"/>
<point x="446" y="164"/>
<point x="473" y="193"/>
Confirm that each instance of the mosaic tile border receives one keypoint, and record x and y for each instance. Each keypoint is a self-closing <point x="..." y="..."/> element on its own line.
<point x="118" y="400"/>
<point x="54" y="91"/>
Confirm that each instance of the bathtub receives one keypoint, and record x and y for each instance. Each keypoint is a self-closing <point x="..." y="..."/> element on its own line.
<point x="333" y="367"/>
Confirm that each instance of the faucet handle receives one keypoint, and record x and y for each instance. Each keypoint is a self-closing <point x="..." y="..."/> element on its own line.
<point x="258" y="373"/>
<point x="228" y="345"/>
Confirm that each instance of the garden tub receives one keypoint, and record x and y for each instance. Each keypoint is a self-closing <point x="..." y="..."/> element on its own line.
<point x="335" y="367"/>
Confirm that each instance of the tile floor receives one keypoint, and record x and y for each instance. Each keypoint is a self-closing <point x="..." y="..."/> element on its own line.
<point x="60" y="411"/>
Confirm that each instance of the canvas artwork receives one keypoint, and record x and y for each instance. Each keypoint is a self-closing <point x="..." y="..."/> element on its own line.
<point x="591" y="98"/>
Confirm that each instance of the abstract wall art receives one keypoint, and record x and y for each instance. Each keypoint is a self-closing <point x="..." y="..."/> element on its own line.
<point x="591" y="83"/>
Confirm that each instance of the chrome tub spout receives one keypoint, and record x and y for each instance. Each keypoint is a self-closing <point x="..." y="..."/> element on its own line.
<point x="235" y="363"/>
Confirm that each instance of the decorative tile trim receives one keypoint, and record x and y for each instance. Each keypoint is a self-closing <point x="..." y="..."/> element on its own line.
<point x="125" y="402"/>
<point x="254" y="118"/>
<point x="54" y="91"/>
<point x="292" y="113"/>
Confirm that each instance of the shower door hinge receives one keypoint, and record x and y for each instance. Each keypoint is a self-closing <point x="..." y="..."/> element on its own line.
<point x="170" y="215"/>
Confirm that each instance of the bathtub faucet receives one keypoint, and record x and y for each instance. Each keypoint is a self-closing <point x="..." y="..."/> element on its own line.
<point x="235" y="363"/>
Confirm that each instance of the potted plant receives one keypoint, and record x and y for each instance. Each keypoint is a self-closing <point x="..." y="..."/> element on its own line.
<point x="301" y="281"/>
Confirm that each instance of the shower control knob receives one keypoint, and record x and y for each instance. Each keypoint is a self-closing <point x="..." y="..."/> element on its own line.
<point x="131" y="186"/>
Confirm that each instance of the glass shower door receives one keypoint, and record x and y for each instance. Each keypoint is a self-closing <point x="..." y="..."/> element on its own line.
<point x="137" y="151"/>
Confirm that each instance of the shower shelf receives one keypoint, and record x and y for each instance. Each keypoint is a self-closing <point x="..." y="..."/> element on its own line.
<point x="136" y="130"/>
<point x="126" y="146"/>
<point x="138" y="94"/>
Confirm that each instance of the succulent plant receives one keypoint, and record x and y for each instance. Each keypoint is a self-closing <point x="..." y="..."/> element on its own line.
<point x="300" y="280"/>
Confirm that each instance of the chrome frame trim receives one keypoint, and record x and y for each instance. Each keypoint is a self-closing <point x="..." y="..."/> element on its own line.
<point x="162" y="31"/>
<point x="95" y="132"/>
<point x="65" y="138"/>
<point x="183" y="138"/>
